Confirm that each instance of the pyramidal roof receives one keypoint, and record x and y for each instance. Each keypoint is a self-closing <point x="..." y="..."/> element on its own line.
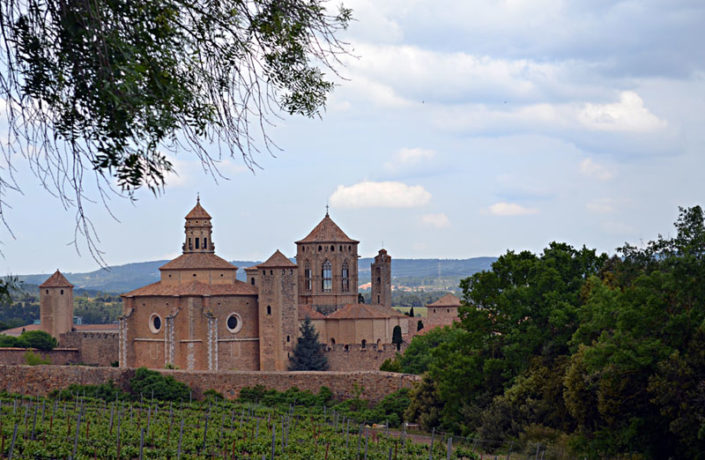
<point x="198" y="212"/>
<point x="277" y="260"/>
<point x="327" y="231"/>
<point x="448" y="300"/>
<point x="56" y="280"/>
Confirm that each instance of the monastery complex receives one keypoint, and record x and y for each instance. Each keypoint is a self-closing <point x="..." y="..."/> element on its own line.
<point x="199" y="316"/>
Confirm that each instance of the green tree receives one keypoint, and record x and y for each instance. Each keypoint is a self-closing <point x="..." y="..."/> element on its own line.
<point x="151" y="384"/>
<point x="308" y="353"/>
<point x="397" y="338"/>
<point x="38" y="339"/>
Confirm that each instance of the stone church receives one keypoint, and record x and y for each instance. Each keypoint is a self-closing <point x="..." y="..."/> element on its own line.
<point x="200" y="316"/>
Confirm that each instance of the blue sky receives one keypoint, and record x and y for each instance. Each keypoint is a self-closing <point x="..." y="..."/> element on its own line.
<point x="461" y="129"/>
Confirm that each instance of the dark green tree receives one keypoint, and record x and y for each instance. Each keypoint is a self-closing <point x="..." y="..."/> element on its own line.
<point x="308" y="353"/>
<point x="397" y="338"/>
<point x="411" y="312"/>
<point x="38" y="339"/>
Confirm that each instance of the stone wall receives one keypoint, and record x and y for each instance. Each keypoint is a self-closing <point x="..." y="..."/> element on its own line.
<point x="59" y="356"/>
<point x="96" y="348"/>
<point x="41" y="380"/>
<point x="350" y="358"/>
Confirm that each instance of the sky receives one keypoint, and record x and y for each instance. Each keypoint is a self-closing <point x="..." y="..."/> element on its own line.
<point x="459" y="129"/>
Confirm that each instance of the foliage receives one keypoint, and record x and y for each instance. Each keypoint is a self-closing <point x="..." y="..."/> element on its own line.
<point x="292" y="396"/>
<point x="33" y="359"/>
<point x="29" y="339"/>
<point x="397" y="338"/>
<point x="602" y="357"/>
<point x="392" y="364"/>
<point x="152" y="384"/>
<point x="38" y="339"/>
<point x="308" y="354"/>
<point x="83" y="427"/>
<point x="107" y="391"/>
<point x="107" y="86"/>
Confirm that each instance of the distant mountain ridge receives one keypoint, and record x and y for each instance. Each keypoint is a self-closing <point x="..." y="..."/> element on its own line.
<point x="124" y="278"/>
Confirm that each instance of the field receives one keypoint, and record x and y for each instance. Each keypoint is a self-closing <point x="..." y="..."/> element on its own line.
<point x="83" y="428"/>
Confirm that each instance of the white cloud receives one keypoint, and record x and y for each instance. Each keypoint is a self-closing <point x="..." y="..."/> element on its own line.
<point x="409" y="157"/>
<point x="589" y="168"/>
<point x="511" y="209"/>
<point x="439" y="220"/>
<point x="380" y="195"/>
<point x="629" y="114"/>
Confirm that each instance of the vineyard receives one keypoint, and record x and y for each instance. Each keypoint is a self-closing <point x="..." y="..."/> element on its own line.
<point x="85" y="428"/>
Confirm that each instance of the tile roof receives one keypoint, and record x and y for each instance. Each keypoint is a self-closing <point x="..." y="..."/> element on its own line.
<point x="195" y="288"/>
<point x="327" y="231"/>
<point x="278" y="260"/>
<point x="364" y="311"/>
<point x="198" y="260"/>
<point x="56" y="280"/>
<point x="198" y="212"/>
<point x="307" y="310"/>
<point x="448" y="300"/>
<point x="15" y="331"/>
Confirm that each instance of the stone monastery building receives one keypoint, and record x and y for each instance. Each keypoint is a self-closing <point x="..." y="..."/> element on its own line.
<point x="200" y="316"/>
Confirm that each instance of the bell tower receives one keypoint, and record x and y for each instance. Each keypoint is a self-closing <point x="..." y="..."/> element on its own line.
<point x="56" y="305"/>
<point x="199" y="231"/>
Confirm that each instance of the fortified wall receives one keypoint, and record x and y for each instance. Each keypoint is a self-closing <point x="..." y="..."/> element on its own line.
<point x="96" y="348"/>
<point x="42" y="380"/>
<point x="355" y="357"/>
<point x="57" y="356"/>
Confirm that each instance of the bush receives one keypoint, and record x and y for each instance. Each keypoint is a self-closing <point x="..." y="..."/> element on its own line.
<point x="34" y="359"/>
<point x="8" y="341"/>
<point x="212" y="395"/>
<point x="107" y="391"/>
<point x="392" y="364"/>
<point x="38" y="339"/>
<point x="152" y="384"/>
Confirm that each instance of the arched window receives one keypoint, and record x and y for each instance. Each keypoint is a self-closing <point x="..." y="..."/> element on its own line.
<point x="308" y="283"/>
<point x="364" y="343"/>
<point x="269" y="309"/>
<point x="327" y="277"/>
<point x="205" y="243"/>
<point x="197" y="240"/>
<point x="345" y="280"/>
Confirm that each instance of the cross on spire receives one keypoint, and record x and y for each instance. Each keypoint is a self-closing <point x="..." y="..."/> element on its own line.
<point x="198" y="197"/>
<point x="326" y="209"/>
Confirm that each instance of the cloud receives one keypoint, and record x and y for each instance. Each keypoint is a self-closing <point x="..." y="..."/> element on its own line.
<point x="589" y="168"/>
<point x="380" y="195"/>
<point x="407" y="157"/>
<point x="511" y="209"/>
<point x="439" y="220"/>
<point x="629" y="114"/>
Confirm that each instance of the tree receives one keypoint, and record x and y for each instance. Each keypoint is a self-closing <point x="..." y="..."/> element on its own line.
<point x="102" y="89"/>
<point x="397" y="338"/>
<point x="308" y="354"/>
<point x="411" y="312"/>
<point x="38" y="339"/>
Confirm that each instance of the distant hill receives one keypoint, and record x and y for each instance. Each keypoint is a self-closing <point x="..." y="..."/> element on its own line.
<point x="408" y="272"/>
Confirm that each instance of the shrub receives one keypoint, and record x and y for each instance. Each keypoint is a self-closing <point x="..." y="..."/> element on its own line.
<point x="392" y="364"/>
<point x="212" y="395"/>
<point x="152" y="384"/>
<point x="8" y="341"/>
<point x="38" y="339"/>
<point x="107" y="391"/>
<point x="34" y="359"/>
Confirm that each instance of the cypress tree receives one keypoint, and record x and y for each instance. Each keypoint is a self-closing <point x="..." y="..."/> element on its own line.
<point x="308" y="355"/>
<point x="411" y="312"/>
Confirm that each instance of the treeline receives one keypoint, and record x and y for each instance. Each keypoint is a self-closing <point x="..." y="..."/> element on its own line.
<point x="599" y="356"/>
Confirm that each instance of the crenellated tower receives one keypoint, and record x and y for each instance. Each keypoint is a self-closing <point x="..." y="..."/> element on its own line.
<point x="381" y="274"/>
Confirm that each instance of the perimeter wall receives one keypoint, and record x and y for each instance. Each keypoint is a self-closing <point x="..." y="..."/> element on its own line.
<point x="371" y="385"/>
